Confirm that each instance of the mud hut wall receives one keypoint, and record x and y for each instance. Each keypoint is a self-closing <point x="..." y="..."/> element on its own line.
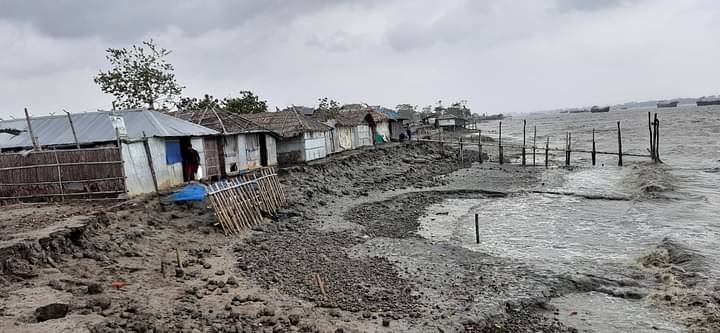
<point x="332" y="143"/>
<point x="137" y="169"/>
<point x="362" y="136"/>
<point x="291" y="150"/>
<point x="396" y="128"/>
<point x="314" y="145"/>
<point x="250" y="150"/>
<point x="168" y="175"/>
<point x="231" y="152"/>
<point x="345" y="138"/>
<point x="271" y="145"/>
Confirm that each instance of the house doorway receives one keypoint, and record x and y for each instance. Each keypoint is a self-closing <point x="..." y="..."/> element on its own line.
<point x="263" y="150"/>
<point x="184" y="144"/>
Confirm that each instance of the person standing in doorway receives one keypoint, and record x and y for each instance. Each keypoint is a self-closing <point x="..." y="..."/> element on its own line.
<point x="192" y="162"/>
<point x="409" y="133"/>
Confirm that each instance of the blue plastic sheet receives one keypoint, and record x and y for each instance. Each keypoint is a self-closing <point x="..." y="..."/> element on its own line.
<point x="192" y="192"/>
<point x="172" y="151"/>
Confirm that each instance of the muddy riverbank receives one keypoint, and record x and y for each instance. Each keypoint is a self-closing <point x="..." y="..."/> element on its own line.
<point x="345" y="255"/>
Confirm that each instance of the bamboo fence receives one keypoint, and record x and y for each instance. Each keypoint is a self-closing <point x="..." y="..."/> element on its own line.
<point x="496" y="151"/>
<point x="52" y="175"/>
<point x="240" y="202"/>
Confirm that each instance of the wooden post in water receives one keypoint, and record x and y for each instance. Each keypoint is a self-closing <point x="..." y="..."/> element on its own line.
<point x="593" y="147"/>
<point x="620" y="162"/>
<point x="477" y="230"/>
<point x="657" y="139"/>
<point x="652" y="138"/>
<point x="523" y="147"/>
<point x="567" y="145"/>
<point x="500" y="149"/>
<point x="547" y="147"/>
<point x="534" y="140"/>
<point x="479" y="145"/>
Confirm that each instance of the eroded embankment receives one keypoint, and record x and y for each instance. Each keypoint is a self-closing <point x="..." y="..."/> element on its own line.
<point x="21" y="257"/>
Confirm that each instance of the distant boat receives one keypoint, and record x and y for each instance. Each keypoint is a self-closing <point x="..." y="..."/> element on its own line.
<point x="714" y="101"/>
<point x="596" y="109"/>
<point x="668" y="104"/>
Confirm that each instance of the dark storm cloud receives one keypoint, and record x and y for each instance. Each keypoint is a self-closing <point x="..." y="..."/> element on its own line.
<point x="130" y="19"/>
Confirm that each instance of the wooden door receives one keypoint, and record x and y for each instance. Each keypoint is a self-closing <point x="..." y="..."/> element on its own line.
<point x="212" y="162"/>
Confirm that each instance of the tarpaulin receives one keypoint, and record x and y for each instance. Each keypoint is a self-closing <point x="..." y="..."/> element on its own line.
<point x="192" y="192"/>
<point x="172" y="151"/>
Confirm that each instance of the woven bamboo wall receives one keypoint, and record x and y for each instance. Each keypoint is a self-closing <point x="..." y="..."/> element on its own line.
<point x="58" y="174"/>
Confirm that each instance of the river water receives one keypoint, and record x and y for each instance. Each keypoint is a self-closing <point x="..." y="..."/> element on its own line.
<point x="678" y="200"/>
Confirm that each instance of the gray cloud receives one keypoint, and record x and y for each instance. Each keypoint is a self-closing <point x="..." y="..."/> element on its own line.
<point x="500" y="55"/>
<point x="338" y="41"/>
<point x="586" y="5"/>
<point x="128" y="20"/>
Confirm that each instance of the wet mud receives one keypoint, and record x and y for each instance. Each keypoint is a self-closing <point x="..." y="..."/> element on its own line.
<point x="343" y="256"/>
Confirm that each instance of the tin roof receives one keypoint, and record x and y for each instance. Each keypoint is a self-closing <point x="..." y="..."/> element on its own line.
<point x="288" y="123"/>
<point x="347" y="118"/>
<point x="392" y="114"/>
<point x="97" y="127"/>
<point x="221" y="121"/>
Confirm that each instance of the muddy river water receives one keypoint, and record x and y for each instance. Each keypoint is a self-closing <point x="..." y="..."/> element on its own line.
<point x="600" y="220"/>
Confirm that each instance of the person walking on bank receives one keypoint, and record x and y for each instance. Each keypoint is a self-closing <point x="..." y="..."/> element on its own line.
<point x="192" y="163"/>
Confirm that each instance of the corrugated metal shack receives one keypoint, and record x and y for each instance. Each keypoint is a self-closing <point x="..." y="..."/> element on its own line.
<point x="301" y="138"/>
<point x="245" y="145"/>
<point x="351" y="128"/>
<point x="149" y="158"/>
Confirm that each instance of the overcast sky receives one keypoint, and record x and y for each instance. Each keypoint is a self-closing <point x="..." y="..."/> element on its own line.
<point x="501" y="56"/>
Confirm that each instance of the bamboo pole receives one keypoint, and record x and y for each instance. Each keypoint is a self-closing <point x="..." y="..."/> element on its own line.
<point x="179" y="262"/>
<point x="72" y="128"/>
<point x="480" y="158"/>
<point x="477" y="229"/>
<point x="500" y="148"/>
<point x="151" y="165"/>
<point x="657" y="139"/>
<point x="523" y="146"/>
<point x="620" y="154"/>
<point x="36" y="146"/>
<point x="59" y="177"/>
<point x="122" y="162"/>
<point x="593" y="146"/>
<point x="652" y="138"/>
<point x="534" y="143"/>
<point x="547" y="147"/>
<point x="569" y="147"/>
